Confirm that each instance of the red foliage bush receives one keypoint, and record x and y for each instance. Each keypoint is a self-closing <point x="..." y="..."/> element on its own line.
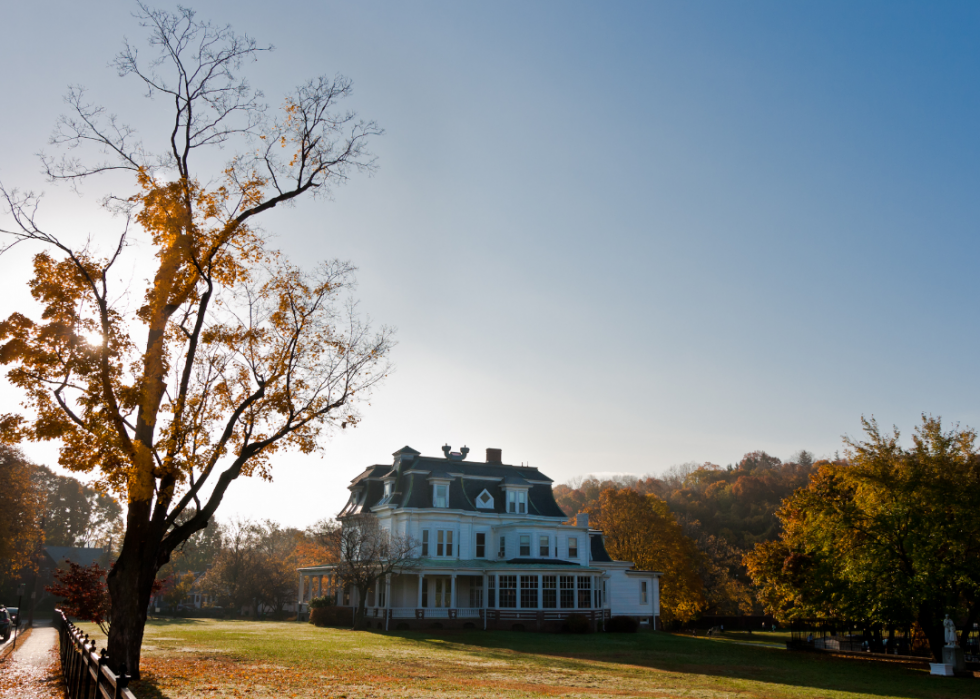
<point x="84" y="593"/>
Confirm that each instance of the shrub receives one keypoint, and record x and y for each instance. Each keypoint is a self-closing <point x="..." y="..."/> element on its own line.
<point x="622" y="624"/>
<point x="578" y="623"/>
<point x="320" y="602"/>
<point x="331" y="615"/>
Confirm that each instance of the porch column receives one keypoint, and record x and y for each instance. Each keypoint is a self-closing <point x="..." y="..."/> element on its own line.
<point x="540" y="593"/>
<point x="574" y="592"/>
<point x="421" y="576"/>
<point x="486" y="599"/>
<point x="299" y="597"/>
<point x="519" y="589"/>
<point x="452" y="592"/>
<point x="387" y="599"/>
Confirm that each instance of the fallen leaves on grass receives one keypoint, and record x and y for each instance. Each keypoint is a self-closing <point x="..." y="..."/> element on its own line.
<point x="226" y="677"/>
<point x="221" y="676"/>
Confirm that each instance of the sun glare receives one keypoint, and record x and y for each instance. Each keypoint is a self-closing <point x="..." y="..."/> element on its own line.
<point x="93" y="338"/>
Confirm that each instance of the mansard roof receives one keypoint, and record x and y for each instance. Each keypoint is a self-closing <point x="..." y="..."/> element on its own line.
<point x="467" y="479"/>
<point x="598" y="549"/>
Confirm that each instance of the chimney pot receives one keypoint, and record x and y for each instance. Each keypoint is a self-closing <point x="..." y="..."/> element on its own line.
<point x="494" y="456"/>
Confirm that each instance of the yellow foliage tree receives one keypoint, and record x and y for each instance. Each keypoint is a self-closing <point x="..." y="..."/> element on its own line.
<point x="641" y="528"/>
<point x="21" y="508"/>
<point x="890" y="536"/>
<point x="232" y="353"/>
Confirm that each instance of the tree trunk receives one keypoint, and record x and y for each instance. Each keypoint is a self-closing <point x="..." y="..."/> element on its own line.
<point x="360" y="617"/>
<point x="130" y="583"/>
<point x="933" y="629"/>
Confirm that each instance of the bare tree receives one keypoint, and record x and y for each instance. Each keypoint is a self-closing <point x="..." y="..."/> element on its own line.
<point x="368" y="554"/>
<point x="237" y="576"/>
<point x="232" y="353"/>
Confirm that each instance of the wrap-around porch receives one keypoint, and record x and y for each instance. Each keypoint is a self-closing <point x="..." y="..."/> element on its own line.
<point x="492" y="595"/>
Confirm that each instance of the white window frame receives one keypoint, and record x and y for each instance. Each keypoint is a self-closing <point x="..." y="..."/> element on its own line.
<point x="520" y="545"/>
<point x="425" y="542"/>
<point x="476" y="544"/>
<point x="435" y="495"/>
<point x="643" y="592"/>
<point x="445" y="543"/>
<point x="544" y="544"/>
<point x="571" y="540"/>
<point x="487" y="505"/>
<point x="517" y="502"/>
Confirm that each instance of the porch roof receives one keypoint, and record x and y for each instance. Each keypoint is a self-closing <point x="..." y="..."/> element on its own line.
<point x="449" y="564"/>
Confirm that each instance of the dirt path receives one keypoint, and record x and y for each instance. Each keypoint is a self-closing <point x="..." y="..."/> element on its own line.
<point x="36" y="649"/>
<point x="32" y="672"/>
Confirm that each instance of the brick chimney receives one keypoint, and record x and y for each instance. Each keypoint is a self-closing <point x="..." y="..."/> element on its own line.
<point x="582" y="520"/>
<point x="494" y="456"/>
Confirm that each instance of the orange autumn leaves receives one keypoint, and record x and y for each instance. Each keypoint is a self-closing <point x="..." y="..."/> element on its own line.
<point x="641" y="528"/>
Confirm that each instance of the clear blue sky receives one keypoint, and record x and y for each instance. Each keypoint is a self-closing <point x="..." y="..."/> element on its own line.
<point x="613" y="236"/>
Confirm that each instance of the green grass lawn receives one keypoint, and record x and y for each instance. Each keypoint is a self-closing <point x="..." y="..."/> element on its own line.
<point x="208" y="658"/>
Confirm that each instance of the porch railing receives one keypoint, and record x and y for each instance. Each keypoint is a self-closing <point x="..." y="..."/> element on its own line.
<point x="477" y="613"/>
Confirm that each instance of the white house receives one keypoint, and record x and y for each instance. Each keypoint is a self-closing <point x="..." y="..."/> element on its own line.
<point x="495" y="550"/>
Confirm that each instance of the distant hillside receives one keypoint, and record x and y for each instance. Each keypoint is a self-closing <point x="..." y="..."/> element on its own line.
<point x="724" y="510"/>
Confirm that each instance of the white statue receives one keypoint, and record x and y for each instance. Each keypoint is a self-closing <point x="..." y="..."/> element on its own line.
<point x="950" y="628"/>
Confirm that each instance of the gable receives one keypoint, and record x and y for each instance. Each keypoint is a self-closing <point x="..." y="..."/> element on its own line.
<point x="484" y="501"/>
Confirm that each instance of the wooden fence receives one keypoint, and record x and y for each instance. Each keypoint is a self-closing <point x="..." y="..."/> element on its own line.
<point x="87" y="674"/>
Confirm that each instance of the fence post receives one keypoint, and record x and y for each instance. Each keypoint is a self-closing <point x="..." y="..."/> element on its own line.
<point x="72" y="682"/>
<point x="87" y="669"/>
<point x="79" y="663"/>
<point x="103" y="660"/>
<point x="122" y="679"/>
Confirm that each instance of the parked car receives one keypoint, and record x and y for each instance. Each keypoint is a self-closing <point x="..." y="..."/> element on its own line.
<point x="14" y="616"/>
<point x="5" y="625"/>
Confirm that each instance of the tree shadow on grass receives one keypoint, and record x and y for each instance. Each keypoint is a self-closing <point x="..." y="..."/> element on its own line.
<point x="669" y="653"/>
<point x="147" y="689"/>
<point x="168" y="621"/>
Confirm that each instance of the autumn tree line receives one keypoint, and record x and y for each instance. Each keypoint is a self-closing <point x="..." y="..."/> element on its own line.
<point x="41" y="508"/>
<point x="695" y="524"/>
<point x="886" y="537"/>
<point x="241" y="565"/>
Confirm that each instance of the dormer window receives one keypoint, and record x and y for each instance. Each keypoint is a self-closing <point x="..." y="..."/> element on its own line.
<point x="440" y="495"/>
<point x="388" y="485"/>
<point x="355" y="497"/>
<point x="517" y="501"/>
<point x="484" y="501"/>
